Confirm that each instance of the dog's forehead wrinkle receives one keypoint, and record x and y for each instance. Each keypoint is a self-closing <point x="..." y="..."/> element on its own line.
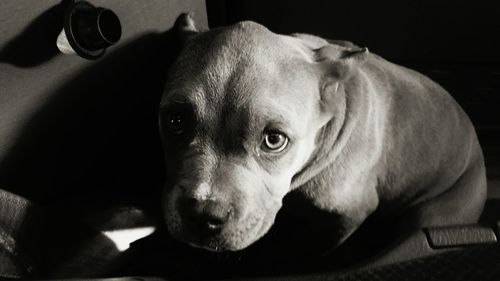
<point x="248" y="47"/>
<point x="260" y="37"/>
<point x="242" y="42"/>
<point x="301" y="49"/>
<point x="228" y="82"/>
<point x="284" y="116"/>
<point x="235" y="62"/>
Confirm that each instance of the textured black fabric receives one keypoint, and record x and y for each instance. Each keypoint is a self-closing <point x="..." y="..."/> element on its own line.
<point x="474" y="263"/>
<point x="13" y="211"/>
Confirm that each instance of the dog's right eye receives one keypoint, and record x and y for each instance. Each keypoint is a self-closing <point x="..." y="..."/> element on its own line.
<point x="274" y="142"/>
<point x="176" y="122"/>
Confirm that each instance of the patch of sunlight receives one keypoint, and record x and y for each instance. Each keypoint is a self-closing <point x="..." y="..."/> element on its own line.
<point x="123" y="237"/>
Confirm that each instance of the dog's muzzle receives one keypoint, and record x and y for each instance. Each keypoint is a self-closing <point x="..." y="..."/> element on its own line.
<point x="204" y="217"/>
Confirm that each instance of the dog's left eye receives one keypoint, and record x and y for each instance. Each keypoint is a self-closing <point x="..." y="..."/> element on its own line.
<point x="275" y="142"/>
<point x="176" y="122"/>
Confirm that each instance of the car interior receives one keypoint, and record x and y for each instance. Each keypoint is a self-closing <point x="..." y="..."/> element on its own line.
<point x="81" y="160"/>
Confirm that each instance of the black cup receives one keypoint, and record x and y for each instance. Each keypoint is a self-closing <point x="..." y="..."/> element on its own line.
<point x="91" y="30"/>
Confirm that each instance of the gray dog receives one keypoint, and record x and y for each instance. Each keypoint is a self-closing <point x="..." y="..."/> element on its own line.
<point x="249" y="116"/>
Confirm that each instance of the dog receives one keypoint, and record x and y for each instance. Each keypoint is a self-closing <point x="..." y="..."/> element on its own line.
<point x="250" y="118"/>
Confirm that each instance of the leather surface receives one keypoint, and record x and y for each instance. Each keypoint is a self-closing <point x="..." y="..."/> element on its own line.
<point x="454" y="236"/>
<point x="474" y="263"/>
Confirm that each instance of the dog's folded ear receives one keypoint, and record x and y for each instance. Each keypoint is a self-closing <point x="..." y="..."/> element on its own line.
<point x="339" y="62"/>
<point x="185" y="27"/>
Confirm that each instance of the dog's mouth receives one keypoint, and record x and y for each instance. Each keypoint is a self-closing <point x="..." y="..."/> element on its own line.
<point x="211" y="239"/>
<point x="233" y="236"/>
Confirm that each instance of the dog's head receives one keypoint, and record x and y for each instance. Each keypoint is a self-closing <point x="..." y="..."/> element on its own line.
<point x="239" y="118"/>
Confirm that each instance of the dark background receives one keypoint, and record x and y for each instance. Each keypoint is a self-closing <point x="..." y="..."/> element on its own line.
<point x="444" y="31"/>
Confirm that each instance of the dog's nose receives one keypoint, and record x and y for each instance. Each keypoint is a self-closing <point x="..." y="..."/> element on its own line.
<point x="206" y="216"/>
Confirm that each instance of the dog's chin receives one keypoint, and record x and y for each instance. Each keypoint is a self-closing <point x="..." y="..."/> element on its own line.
<point x="217" y="246"/>
<point x="227" y="240"/>
<point x="212" y="243"/>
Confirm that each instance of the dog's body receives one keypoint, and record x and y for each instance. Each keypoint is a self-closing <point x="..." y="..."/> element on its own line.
<point x="249" y="116"/>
